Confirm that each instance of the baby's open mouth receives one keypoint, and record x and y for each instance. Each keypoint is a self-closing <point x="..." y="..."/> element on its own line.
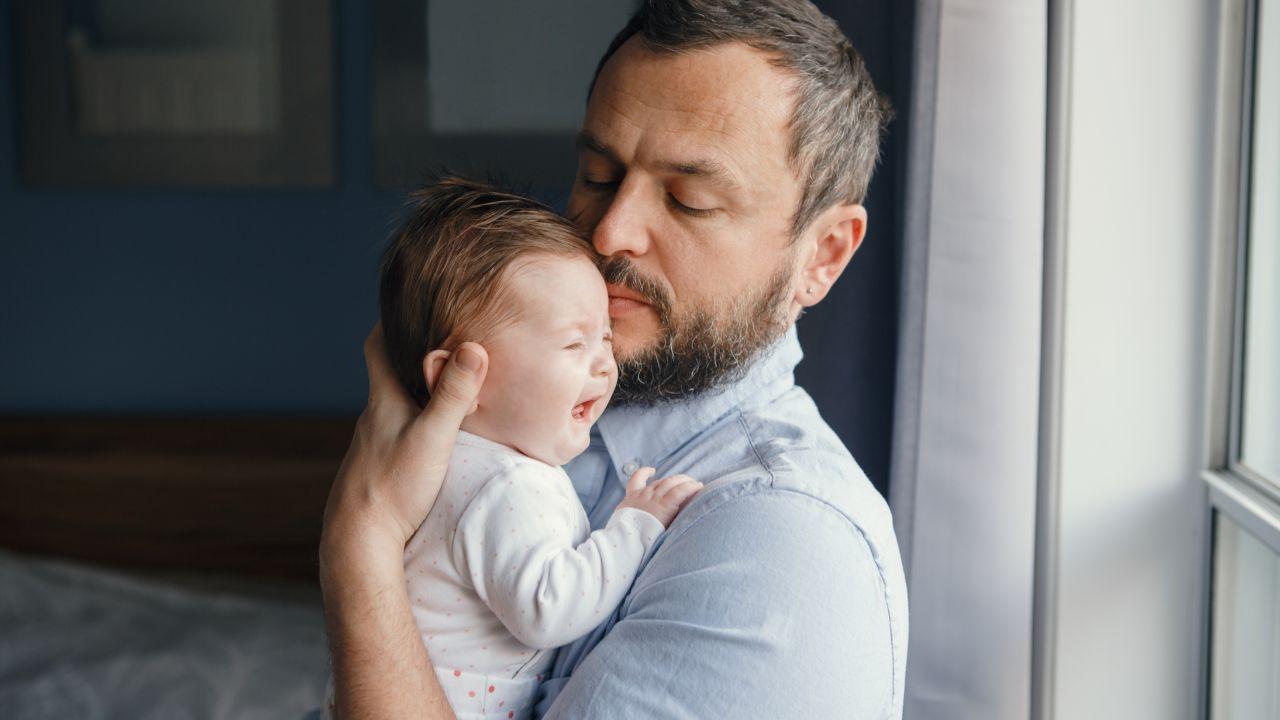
<point x="582" y="411"/>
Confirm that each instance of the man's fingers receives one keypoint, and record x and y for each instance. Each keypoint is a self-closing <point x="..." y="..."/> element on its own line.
<point x="638" y="479"/>
<point x="451" y="400"/>
<point x="386" y="394"/>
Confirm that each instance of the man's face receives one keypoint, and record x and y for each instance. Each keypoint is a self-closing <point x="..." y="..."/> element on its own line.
<point x="684" y="184"/>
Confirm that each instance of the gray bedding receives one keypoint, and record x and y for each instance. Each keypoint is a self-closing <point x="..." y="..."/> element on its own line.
<point x="77" y="642"/>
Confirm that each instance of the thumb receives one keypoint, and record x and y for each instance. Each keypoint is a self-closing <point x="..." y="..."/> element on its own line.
<point x="639" y="479"/>
<point x="453" y="397"/>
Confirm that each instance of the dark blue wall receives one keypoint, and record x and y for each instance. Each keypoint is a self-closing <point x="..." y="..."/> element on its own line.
<point x="185" y="301"/>
<point x="192" y="300"/>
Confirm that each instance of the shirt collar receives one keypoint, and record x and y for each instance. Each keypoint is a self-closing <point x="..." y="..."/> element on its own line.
<point x="637" y="435"/>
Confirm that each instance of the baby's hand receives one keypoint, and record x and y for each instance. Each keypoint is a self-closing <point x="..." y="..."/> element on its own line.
<point x="662" y="499"/>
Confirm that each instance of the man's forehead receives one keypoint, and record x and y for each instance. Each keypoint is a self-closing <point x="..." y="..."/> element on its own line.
<point x="720" y="97"/>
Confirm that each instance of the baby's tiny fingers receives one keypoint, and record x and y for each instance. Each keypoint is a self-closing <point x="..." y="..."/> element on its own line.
<point x="664" y="485"/>
<point x="638" y="479"/>
<point x="682" y="494"/>
<point x="685" y="503"/>
<point x="678" y="485"/>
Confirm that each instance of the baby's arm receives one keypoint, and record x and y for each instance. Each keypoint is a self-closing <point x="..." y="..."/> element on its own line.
<point x="516" y="543"/>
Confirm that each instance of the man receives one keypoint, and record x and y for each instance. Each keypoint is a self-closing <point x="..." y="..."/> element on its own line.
<point x="724" y="156"/>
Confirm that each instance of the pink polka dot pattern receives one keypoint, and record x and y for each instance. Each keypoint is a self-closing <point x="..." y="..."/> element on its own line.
<point x="475" y="695"/>
<point x="503" y="528"/>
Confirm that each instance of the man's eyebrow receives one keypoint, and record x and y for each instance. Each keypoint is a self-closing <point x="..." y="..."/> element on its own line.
<point x="713" y="171"/>
<point x="587" y="141"/>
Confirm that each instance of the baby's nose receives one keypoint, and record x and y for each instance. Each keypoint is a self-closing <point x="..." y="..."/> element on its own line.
<point x="603" y="363"/>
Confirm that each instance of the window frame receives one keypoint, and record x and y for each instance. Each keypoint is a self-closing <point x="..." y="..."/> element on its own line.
<point x="1232" y="489"/>
<point x="1243" y="232"/>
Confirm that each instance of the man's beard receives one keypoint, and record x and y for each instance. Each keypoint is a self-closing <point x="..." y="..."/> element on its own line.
<point x="697" y="350"/>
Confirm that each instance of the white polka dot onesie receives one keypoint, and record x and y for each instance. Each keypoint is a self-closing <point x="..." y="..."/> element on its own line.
<point x="505" y="569"/>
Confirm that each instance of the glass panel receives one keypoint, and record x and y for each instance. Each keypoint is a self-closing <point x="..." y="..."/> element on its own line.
<point x="486" y="73"/>
<point x="1245" y="675"/>
<point x="486" y="89"/>
<point x="1260" y="429"/>
<point x="163" y="67"/>
<point x="208" y="93"/>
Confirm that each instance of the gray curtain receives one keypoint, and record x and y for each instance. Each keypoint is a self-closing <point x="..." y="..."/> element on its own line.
<point x="963" y="478"/>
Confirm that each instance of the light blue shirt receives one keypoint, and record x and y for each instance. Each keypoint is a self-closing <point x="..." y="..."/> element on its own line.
<point x="778" y="592"/>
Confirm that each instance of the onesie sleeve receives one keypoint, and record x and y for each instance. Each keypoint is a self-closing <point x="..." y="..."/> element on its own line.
<point x="516" y="541"/>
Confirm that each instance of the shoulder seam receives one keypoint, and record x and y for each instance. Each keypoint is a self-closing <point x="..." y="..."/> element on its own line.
<point x="746" y="431"/>
<point x="861" y="533"/>
<point x="760" y="490"/>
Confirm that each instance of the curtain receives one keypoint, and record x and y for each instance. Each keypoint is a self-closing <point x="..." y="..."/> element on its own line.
<point x="964" y="466"/>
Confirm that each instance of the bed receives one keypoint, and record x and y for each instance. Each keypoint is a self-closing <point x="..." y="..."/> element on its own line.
<point x="163" y="567"/>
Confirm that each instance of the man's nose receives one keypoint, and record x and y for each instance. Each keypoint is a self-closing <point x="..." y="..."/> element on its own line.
<point x="624" y="230"/>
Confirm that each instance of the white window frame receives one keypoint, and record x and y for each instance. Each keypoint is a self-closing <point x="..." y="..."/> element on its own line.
<point x="1233" y="489"/>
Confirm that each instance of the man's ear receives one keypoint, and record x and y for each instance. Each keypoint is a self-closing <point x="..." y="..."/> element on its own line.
<point x="837" y="234"/>
<point x="432" y="365"/>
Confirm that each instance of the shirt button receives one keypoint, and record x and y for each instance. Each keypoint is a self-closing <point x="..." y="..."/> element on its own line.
<point x="629" y="469"/>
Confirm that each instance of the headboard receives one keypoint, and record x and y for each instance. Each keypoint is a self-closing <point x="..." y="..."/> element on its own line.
<point x="229" y="495"/>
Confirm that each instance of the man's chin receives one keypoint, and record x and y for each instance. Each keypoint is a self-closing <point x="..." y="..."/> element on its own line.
<point x="634" y="335"/>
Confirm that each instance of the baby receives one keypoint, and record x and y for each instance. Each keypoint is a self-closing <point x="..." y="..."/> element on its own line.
<point x="505" y="567"/>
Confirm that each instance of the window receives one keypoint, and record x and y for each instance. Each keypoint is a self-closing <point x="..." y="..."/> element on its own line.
<point x="477" y="88"/>
<point x="1246" y="626"/>
<point x="193" y="93"/>
<point x="1244" y="482"/>
<point x="1260" y="421"/>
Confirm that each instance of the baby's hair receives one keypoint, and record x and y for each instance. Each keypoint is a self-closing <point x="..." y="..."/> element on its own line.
<point x="442" y="272"/>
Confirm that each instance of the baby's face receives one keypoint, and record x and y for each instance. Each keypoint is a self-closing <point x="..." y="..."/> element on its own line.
<point x="551" y="369"/>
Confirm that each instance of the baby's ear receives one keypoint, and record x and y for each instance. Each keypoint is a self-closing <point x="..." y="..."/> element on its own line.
<point x="432" y="365"/>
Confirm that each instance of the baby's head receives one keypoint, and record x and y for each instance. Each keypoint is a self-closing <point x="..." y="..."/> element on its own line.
<point x="475" y="264"/>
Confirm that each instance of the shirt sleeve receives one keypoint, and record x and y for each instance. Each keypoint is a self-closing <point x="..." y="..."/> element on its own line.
<point x="769" y="605"/>
<point x="517" y="542"/>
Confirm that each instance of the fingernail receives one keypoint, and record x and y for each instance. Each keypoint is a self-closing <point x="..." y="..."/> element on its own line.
<point x="468" y="359"/>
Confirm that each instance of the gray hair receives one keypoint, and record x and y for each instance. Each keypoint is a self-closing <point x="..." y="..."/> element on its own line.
<point x="838" y="118"/>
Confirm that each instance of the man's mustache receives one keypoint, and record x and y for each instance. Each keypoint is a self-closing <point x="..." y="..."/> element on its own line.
<point x="618" y="270"/>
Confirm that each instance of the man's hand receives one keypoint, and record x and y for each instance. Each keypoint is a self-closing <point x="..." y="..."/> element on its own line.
<point x="387" y="483"/>
<point x="397" y="460"/>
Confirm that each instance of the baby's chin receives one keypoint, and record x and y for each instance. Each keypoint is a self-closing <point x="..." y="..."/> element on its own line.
<point x="560" y="453"/>
<point x="566" y="445"/>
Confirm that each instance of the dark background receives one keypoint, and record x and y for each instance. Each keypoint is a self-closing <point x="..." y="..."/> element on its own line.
<point x="233" y="302"/>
